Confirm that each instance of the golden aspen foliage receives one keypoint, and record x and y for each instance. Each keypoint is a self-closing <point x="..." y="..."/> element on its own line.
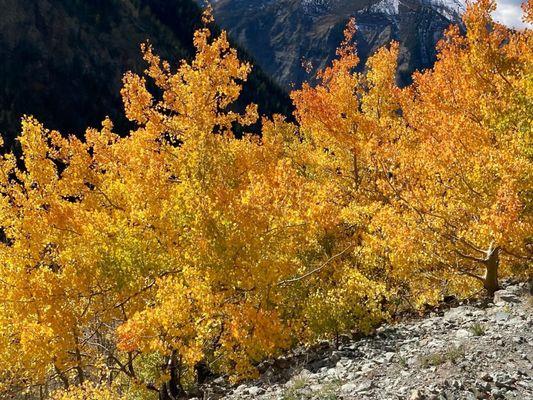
<point x="89" y="391"/>
<point x="170" y="247"/>
<point x="470" y="120"/>
<point x="129" y="265"/>
<point x="351" y="124"/>
<point x="432" y="180"/>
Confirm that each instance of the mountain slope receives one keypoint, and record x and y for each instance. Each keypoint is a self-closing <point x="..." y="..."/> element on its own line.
<point x="281" y="34"/>
<point x="474" y="351"/>
<point x="63" y="60"/>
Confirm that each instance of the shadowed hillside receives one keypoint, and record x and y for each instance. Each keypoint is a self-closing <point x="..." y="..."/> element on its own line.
<point x="63" y="60"/>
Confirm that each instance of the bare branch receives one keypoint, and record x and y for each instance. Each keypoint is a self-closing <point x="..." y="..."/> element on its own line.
<point x="108" y="199"/>
<point x="317" y="269"/>
<point x="470" y="274"/>
<point x="513" y="254"/>
<point x="66" y="230"/>
<point x="469" y="257"/>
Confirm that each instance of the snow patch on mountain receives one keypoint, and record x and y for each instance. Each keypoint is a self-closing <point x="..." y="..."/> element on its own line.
<point x="450" y="9"/>
<point x="316" y="6"/>
<point x="389" y="7"/>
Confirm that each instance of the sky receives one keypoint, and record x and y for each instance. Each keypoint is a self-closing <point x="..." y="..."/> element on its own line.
<point x="509" y="12"/>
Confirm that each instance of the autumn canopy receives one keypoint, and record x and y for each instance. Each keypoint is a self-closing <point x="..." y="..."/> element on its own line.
<point x="131" y="265"/>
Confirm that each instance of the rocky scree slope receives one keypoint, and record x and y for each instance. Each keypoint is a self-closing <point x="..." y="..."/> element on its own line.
<point x="472" y="351"/>
<point x="284" y="34"/>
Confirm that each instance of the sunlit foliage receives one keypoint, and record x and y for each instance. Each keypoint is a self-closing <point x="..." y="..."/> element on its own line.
<point x="133" y="266"/>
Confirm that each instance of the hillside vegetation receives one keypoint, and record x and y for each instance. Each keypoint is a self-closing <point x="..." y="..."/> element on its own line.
<point x="136" y="267"/>
<point x="62" y="61"/>
<point x="479" y="350"/>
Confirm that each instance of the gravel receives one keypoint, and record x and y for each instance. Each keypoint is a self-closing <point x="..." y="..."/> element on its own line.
<point x="466" y="352"/>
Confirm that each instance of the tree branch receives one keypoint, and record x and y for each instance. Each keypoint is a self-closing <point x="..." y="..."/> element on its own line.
<point x="108" y="199"/>
<point x="469" y="257"/>
<point x="470" y="274"/>
<point x="317" y="269"/>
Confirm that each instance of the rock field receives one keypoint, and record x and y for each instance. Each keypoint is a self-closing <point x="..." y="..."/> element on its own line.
<point x="480" y="351"/>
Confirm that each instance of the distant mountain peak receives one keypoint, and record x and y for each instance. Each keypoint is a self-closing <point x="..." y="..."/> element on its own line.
<point x="387" y="6"/>
<point x="282" y="34"/>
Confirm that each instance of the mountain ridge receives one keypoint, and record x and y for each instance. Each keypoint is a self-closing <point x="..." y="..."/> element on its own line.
<point x="62" y="61"/>
<point x="283" y="34"/>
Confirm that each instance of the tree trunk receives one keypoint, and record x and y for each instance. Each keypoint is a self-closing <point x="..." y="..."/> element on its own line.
<point x="355" y="169"/>
<point x="492" y="263"/>
<point x="172" y="390"/>
<point x="203" y="372"/>
<point x="62" y="376"/>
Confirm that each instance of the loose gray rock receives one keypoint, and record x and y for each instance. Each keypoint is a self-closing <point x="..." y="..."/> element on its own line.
<point x="505" y="296"/>
<point x="349" y="388"/>
<point x="416" y="395"/>
<point x="439" y="357"/>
